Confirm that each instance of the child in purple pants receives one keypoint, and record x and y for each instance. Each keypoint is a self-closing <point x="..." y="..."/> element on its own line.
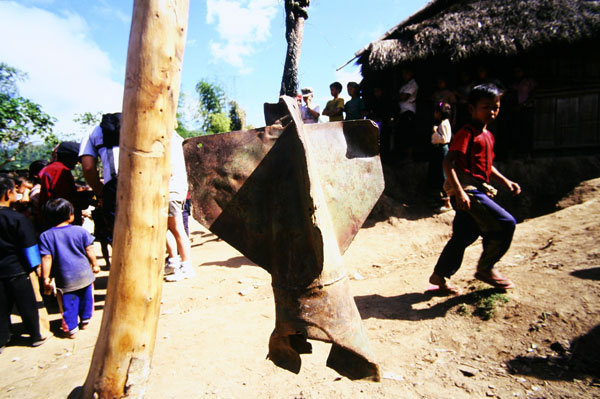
<point x="67" y="253"/>
<point x="469" y="167"/>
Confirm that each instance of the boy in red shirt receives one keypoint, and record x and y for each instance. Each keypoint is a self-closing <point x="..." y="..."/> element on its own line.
<point x="468" y="168"/>
<point x="57" y="181"/>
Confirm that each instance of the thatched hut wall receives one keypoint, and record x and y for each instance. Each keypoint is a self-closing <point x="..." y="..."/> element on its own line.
<point x="555" y="41"/>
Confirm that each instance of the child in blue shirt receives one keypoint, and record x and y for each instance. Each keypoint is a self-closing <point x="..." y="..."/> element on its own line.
<point x="67" y="253"/>
<point x="20" y="256"/>
<point x="355" y="108"/>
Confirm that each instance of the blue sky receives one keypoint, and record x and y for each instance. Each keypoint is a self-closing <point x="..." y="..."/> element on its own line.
<point x="74" y="52"/>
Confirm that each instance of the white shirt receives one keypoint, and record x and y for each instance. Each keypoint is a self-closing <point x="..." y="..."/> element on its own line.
<point x="410" y="88"/>
<point x="307" y="116"/>
<point x="88" y="147"/>
<point x="442" y="134"/>
<point x="178" y="183"/>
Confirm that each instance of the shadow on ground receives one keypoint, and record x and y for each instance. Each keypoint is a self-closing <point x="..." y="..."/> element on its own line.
<point x="401" y="307"/>
<point x="588" y="274"/>
<point x="579" y="360"/>
<point x="235" y="262"/>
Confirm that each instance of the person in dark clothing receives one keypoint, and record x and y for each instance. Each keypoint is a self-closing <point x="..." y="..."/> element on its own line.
<point x="20" y="254"/>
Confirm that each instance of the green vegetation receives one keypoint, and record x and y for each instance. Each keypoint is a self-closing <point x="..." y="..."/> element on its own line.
<point x="213" y="112"/>
<point x="237" y="116"/>
<point x="482" y="303"/>
<point x="26" y="132"/>
<point x="21" y="122"/>
<point x="88" y="119"/>
<point x="463" y="310"/>
<point x="486" y="304"/>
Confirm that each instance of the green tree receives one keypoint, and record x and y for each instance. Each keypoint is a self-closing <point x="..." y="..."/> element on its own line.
<point x="182" y="119"/>
<point x="30" y="153"/>
<point x="21" y="120"/>
<point x="237" y="116"/>
<point x="88" y="119"/>
<point x="215" y="112"/>
<point x="218" y="123"/>
<point x="212" y="97"/>
<point x="212" y="101"/>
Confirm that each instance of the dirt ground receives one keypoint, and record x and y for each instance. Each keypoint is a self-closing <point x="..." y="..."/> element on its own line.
<point x="540" y="340"/>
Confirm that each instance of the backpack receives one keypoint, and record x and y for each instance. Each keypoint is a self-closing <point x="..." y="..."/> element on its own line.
<point x="111" y="127"/>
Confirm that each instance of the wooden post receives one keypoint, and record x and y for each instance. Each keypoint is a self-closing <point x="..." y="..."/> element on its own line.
<point x="121" y="362"/>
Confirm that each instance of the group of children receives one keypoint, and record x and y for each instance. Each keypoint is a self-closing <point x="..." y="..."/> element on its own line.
<point x="65" y="253"/>
<point x="62" y="256"/>
<point x="335" y="108"/>
<point x="464" y="162"/>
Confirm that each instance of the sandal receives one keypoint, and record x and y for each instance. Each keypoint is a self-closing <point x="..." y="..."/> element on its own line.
<point x="496" y="280"/>
<point x="440" y="286"/>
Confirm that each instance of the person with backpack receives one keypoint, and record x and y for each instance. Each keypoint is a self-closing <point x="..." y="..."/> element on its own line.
<point x="103" y="143"/>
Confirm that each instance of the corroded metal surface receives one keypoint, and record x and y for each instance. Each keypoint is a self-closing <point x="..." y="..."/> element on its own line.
<point x="291" y="197"/>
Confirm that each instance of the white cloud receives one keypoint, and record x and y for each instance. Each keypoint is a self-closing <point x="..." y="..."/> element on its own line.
<point x="106" y="10"/>
<point x="67" y="72"/>
<point x="241" y="25"/>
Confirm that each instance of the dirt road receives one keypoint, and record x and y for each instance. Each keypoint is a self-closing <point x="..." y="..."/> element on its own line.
<point x="542" y="339"/>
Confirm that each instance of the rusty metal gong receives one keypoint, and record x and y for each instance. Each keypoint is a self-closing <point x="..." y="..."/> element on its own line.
<point x="291" y="197"/>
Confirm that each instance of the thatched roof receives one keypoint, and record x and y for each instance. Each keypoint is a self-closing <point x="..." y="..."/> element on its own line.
<point x="461" y="29"/>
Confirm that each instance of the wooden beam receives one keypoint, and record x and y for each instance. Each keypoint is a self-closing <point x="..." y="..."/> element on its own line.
<point x="121" y="362"/>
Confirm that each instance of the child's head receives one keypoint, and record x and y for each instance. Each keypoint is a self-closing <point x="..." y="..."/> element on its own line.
<point x="335" y="88"/>
<point x="442" y="111"/>
<point x="35" y="167"/>
<point x="7" y="189"/>
<point x="307" y="94"/>
<point x="22" y="184"/>
<point x="353" y="89"/>
<point x="57" y="211"/>
<point x="484" y="103"/>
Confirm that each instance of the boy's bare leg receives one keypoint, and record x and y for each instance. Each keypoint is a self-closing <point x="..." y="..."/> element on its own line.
<point x="176" y="227"/>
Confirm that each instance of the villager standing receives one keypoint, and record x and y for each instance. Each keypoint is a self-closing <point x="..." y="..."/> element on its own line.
<point x="523" y="88"/>
<point x="179" y="265"/>
<point x="103" y="144"/>
<point x="334" y="108"/>
<point x="68" y="256"/>
<point x="406" y="138"/>
<point x="355" y="108"/>
<point x="310" y="112"/>
<point x="440" y="140"/>
<point x="57" y="181"/>
<point x="20" y="255"/>
<point x="380" y="109"/>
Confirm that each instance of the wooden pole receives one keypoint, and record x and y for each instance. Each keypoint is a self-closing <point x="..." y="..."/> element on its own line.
<point x="121" y="362"/>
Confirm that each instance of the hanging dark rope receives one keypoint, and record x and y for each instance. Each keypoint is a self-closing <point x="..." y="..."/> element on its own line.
<point x="295" y="15"/>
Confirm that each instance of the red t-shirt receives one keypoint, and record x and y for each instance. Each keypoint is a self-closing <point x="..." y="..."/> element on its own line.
<point x="57" y="182"/>
<point x="479" y="144"/>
